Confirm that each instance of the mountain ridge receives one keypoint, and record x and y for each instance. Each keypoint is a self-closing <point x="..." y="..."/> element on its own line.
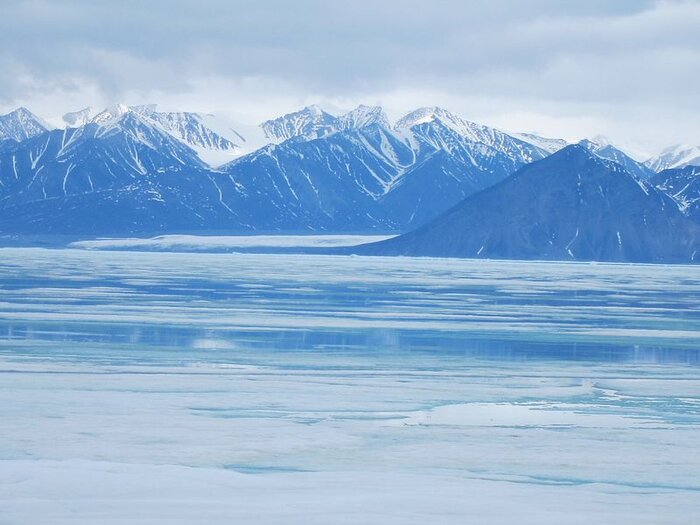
<point x="582" y="208"/>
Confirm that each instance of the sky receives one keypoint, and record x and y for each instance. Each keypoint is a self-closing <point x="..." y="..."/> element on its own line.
<point x="626" y="69"/>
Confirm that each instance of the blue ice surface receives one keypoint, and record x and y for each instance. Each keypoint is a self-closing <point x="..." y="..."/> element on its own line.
<point x="239" y="304"/>
<point x="577" y="383"/>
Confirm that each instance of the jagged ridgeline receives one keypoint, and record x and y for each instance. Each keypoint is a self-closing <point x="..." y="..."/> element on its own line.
<point x="136" y="170"/>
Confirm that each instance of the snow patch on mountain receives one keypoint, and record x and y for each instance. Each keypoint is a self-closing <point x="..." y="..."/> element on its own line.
<point x="677" y="156"/>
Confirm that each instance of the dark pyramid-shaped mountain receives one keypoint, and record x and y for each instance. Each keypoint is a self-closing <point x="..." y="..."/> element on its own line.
<point x="572" y="205"/>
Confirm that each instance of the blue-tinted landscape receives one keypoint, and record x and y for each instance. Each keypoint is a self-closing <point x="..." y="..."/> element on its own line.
<point x="349" y="262"/>
<point x="253" y="387"/>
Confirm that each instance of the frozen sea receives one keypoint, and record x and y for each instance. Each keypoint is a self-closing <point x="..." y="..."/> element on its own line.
<point x="187" y="388"/>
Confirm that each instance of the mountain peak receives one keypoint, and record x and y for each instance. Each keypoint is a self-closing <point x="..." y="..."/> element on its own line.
<point x="602" y="140"/>
<point x="75" y="119"/>
<point x="363" y="116"/>
<point x="23" y="112"/>
<point x="310" y="123"/>
<point x="603" y="148"/>
<point x="570" y="205"/>
<point x="546" y="144"/>
<point x="21" y="124"/>
<point x="314" y="109"/>
<point x="464" y="128"/>
<point x="676" y="156"/>
<point x="575" y="153"/>
<point x="110" y="114"/>
<point x="425" y="115"/>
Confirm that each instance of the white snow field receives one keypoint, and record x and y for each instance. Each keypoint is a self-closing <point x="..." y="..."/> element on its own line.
<point x="185" y="388"/>
<point x="221" y="242"/>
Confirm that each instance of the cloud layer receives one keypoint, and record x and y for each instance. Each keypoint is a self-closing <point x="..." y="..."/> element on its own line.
<point x="629" y="69"/>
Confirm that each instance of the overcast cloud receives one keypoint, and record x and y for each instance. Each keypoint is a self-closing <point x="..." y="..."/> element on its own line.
<point x="627" y="69"/>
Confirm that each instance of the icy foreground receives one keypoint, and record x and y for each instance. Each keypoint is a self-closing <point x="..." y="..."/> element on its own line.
<point x="205" y="388"/>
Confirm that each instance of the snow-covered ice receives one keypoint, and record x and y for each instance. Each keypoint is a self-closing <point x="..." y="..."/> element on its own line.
<point x="248" y="388"/>
<point x="221" y="242"/>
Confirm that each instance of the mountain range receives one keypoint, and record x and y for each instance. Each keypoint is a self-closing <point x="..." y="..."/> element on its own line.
<point x="315" y="172"/>
<point x="136" y="170"/>
<point x="571" y="205"/>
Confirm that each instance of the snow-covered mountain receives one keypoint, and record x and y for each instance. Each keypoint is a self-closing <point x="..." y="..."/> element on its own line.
<point x="214" y="141"/>
<point x="570" y="205"/>
<point x="549" y="145"/>
<point x="308" y="124"/>
<point x="75" y="119"/>
<point x="369" y="175"/>
<point x="134" y="169"/>
<point x="361" y="117"/>
<point x="123" y="175"/>
<point x="453" y="158"/>
<point x="604" y="149"/>
<point x="683" y="184"/>
<point x="312" y="123"/>
<point x="21" y="124"/>
<point x="677" y="156"/>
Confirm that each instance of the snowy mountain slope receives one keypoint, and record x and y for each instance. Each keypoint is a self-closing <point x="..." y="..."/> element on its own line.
<point x="308" y="123"/>
<point x="363" y="116"/>
<point x="312" y="172"/>
<point x="69" y="180"/>
<point x="547" y="144"/>
<point x="453" y="159"/>
<point x="683" y="184"/>
<point x="331" y="183"/>
<point x="75" y="119"/>
<point x="192" y="129"/>
<point x="570" y="205"/>
<point x="605" y="150"/>
<point x="368" y="175"/>
<point x="463" y="128"/>
<point x="214" y="141"/>
<point x="677" y="156"/>
<point x="20" y="125"/>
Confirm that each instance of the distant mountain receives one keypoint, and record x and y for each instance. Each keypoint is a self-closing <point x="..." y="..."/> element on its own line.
<point x="571" y="205"/>
<point x="676" y="156"/>
<point x="367" y="175"/>
<point x="122" y="176"/>
<point x="309" y="123"/>
<point x="683" y="184"/>
<point x="547" y="144"/>
<point x="194" y="129"/>
<point x="21" y="124"/>
<point x="161" y="171"/>
<point x="605" y="150"/>
<point x="452" y="158"/>
<point x="75" y="119"/>
<point x="362" y="117"/>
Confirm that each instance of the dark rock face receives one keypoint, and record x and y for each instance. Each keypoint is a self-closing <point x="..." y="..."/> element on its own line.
<point x="572" y="205"/>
